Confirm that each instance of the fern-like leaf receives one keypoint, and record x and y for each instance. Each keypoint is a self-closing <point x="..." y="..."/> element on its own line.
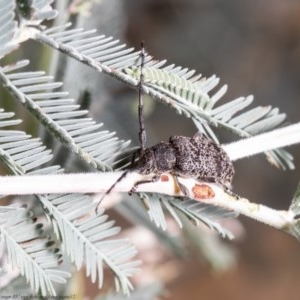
<point x="192" y="97"/>
<point x="174" y="86"/>
<point x="26" y="250"/>
<point x="61" y="116"/>
<point x="18" y="151"/>
<point x="8" y="27"/>
<point x="30" y="13"/>
<point x="197" y="212"/>
<point x="86" y="238"/>
<point x="90" y="237"/>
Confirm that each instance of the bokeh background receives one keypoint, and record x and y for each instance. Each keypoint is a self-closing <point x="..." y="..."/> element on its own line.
<point x="254" y="47"/>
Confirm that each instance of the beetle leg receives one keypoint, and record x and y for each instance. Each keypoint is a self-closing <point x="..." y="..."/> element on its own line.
<point x="182" y="187"/>
<point x="153" y="179"/>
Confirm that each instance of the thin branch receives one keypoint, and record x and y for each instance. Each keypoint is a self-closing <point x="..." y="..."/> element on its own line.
<point x="100" y="182"/>
<point x="117" y="74"/>
<point x="276" y="138"/>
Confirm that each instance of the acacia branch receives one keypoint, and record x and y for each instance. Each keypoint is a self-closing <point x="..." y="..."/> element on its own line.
<point x="100" y="183"/>
<point x="270" y="140"/>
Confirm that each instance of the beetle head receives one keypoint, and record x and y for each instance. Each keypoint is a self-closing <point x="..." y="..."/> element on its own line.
<point x="157" y="159"/>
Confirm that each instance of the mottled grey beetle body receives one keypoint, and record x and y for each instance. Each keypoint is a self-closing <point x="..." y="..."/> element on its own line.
<point x="157" y="159"/>
<point x="196" y="157"/>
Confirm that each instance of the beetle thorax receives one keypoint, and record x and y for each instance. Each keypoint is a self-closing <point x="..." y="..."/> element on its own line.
<point x="157" y="159"/>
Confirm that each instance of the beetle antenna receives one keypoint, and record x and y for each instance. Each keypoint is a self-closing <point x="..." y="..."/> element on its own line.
<point x="142" y="132"/>
<point x="132" y="166"/>
<point x="110" y="189"/>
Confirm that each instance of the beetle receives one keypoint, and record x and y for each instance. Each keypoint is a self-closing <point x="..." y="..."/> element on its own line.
<point x="195" y="157"/>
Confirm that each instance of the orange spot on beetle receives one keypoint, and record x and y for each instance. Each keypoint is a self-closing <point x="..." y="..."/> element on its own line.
<point x="164" y="178"/>
<point x="203" y="191"/>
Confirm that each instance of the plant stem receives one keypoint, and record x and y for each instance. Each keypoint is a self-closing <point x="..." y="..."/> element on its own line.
<point x="100" y="182"/>
<point x="271" y="140"/>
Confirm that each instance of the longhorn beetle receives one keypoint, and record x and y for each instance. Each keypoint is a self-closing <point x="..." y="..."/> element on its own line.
<point x="194" y="157"/>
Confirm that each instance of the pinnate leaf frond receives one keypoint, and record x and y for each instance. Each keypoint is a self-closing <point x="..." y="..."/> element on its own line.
<point x="177" y="87"/>
<point x="196" y="211"/>
<point x="27" y="250"/>
<point x="30" y="13"/>
<point x="18" y="151"/>
<point x="191" y="95"/>
<point x="61" y="116"/>
<point x="88" y="239"/>
<point x="8" y="27"/>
